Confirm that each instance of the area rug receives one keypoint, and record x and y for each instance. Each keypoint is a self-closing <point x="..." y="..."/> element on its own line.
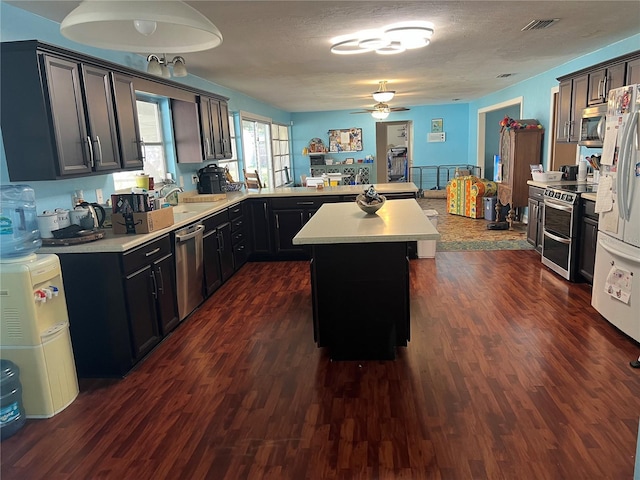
<point x="458" y="233"/>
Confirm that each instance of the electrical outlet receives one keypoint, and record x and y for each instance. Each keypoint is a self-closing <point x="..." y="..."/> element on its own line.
<point x="99" y="196"/>
<point x="181" y="181"/>
<point x="194" y="179"/>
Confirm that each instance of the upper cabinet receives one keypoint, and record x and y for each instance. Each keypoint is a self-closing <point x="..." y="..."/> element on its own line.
<point x="591" y="86"/>
<point x="604" y="79"/>
<point x="214" y="121"/>
<point x="65" y="114"/>
<point x="63" y="117"/>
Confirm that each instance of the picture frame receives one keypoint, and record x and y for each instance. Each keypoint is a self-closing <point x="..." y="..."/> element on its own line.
<point x="436" y="125"/>
<point x="348" y="161"/>
<point x="345" y="140"/>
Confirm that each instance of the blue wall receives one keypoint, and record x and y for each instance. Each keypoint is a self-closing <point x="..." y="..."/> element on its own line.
<point x="460" y="121"/>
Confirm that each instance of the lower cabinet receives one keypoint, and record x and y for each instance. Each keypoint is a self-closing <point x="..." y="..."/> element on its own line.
<point x="259" y="238"/>
<point x="536" y="214"/>
<point x="237" y="216"/>
<point x="588" y="240"/>
<point x="289" y="215"/>
<point x="217" y="251"/>
<point x="130" y="305"/>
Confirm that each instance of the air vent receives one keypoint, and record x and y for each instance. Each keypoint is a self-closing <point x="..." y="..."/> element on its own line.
<point x="539" y="24"/>
<point x="505" y="75"/>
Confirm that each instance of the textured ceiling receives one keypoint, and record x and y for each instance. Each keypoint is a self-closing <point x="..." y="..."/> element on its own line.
<point x="278" y="51"/>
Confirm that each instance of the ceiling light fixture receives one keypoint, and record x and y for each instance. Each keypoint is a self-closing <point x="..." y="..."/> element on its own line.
<point x="392" y="39"/>
<point x="160" y="66"/>
<point x="141" y="26"/>
<point x="380" y="111"/>
<point x="383" y="95"/>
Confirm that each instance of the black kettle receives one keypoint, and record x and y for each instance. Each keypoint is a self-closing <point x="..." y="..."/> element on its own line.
<point x="97" y="213"/>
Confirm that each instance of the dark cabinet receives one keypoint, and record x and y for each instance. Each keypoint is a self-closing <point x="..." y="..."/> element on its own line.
<point x="149" y="285"/>
<point x="214" y="128"/>
<point x="604" y="79"/>
<point x="131" y="155"/>
<point x="572" y="99"/>
<point x="588" y="240"/>
<point x="130" y="305"/>
<point x="237" y="216"/>
<point x="67" y="116"/>
<point x="186" y="131"/>
<point x="536" y="214"/>
<point x="260" y="246"/>
<point x="217" y="251"/>
<point x="102" y="136"/>
<point x="633" y="72"/>
<point x="289" y="216"/>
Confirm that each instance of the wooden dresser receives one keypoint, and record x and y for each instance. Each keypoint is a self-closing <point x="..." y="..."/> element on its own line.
<point x="519" y="148"/>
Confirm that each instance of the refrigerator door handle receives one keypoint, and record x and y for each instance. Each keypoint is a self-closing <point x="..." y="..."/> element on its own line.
<point x="617" y="253"/>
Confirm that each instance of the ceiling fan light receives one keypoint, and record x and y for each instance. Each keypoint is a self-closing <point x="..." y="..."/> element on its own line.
<point x="383" y="96"/>
<point x="379" y="114"/>
<point x="179" y="27"/>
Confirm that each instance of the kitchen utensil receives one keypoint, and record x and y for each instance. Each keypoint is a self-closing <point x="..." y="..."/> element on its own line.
<point x="97" y="213"/>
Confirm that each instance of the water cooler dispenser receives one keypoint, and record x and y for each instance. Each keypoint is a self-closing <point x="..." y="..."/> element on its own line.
<point x="34" y="324"/>
<point x="35" y="333"/>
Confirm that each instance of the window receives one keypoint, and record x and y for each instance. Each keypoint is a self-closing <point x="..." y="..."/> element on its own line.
<point x="281" y="157"/>
<point x="150" y="124"/>
<point x="256" y="144"/>
<point x="232" y="163"/>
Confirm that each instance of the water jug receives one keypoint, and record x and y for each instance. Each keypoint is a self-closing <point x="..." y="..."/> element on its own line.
<point x="19" y="234"/>
<point x="12" y="414"/>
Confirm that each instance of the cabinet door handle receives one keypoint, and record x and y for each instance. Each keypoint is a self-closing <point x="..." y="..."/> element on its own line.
<point x="152" y="252"/>
<point x="155" y="284"/>
<point x="207" y="147"/>
<point x="161" y="287"/>
<point x="304" y="203"/>
<point x="221" y="241"/>
<point x="90" y="152"/>
<point x="99" y="149"/>
<point x="143" y="150"/>
<point x="277" y="222"/>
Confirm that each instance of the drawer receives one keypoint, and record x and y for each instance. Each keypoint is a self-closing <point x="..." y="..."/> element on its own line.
<point x="307" y="202"/>
<point x="237" y="236"/>
<point x="235" y="211"/>
<point x="212" y="221"/>
<point x="237" y="224"/>
<point x="536" y="193"/>
<point x="145" y="254"/>
<point x="239" y="254"/>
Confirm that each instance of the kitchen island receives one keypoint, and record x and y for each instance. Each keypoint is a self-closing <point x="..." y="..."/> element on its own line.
<point x="362" y="313"/>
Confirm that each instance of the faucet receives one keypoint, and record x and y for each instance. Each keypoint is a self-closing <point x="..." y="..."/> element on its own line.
<point x="173" y="191"/>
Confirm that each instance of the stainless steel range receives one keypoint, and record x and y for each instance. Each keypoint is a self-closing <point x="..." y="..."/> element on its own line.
<point x="560" y="228"/>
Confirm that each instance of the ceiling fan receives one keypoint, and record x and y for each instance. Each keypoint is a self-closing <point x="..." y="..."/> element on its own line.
<point x="381" y="109"/>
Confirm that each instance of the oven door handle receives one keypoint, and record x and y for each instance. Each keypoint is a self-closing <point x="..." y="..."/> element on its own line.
<point x="558" y="206"/>
<point x="566" y="241"/>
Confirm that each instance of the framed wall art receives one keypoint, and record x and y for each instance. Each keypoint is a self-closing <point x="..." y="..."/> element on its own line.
<point x="436" y="125"/>
<point x="345" y="140"/>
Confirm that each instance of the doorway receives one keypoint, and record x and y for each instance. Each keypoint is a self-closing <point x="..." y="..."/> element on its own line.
<point x="489" y="132"/>
<point x="396" y="135"/>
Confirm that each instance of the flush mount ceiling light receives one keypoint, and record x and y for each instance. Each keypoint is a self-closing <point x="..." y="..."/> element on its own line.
<point x="160" y="66"/>
<point x="383" y="95"/>
<point x="392" y="39"/>
<point x="141" y="26"/>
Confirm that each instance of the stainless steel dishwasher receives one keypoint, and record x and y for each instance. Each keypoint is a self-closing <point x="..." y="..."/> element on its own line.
<point x="189" y="268"/>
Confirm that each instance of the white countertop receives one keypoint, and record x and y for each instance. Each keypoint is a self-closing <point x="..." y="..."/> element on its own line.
<point x="396" y="221"/>
<point x="188" y="213"/>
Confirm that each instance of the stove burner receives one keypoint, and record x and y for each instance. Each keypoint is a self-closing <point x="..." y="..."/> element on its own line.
<point x="569" y="194"/>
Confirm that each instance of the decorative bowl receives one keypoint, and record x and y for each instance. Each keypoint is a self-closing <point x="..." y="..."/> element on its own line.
<point x="233" y="186"/>
<point x="369" y="208"/>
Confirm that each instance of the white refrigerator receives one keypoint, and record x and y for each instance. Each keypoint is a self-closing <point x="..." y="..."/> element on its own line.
<point x="616" y="279"/>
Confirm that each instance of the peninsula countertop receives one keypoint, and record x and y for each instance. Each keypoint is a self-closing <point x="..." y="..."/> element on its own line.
<point x="187" y="213"/>
<point x="396" y="221"/>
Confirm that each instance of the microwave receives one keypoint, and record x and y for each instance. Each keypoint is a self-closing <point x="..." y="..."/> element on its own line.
<point x="592" y="126"/>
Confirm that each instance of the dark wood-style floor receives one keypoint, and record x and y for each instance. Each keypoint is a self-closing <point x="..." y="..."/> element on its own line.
<point x="510" y="374"/>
